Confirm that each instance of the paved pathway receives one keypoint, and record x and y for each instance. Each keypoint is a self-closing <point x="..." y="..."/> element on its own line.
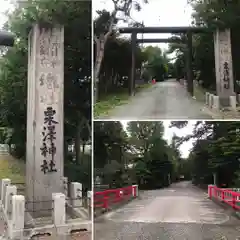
<point x="181" y="212"/>
<point x="165" y="100"/>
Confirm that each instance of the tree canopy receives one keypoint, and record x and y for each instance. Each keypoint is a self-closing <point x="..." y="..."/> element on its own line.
<point x="135" y="154"/>
<point x="215" y="152"/>
<point x="211" y="14"/>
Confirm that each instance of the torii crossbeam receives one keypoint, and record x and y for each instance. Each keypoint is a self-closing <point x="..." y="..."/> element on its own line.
<point x="188" y="31"/>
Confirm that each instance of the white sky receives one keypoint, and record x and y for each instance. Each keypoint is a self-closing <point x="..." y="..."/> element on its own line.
<point x="157" y="13"/>
<point x="5" y="6"/>
<point x="169" y="132"/>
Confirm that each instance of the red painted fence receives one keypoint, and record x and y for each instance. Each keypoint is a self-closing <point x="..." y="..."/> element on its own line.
<point x="225" y="195"/>
<point x="107" y="198"/>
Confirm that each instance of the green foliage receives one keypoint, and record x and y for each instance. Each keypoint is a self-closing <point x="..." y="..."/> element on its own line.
<point x="156" y="62"/>
<point x="109" y="143"/>
<point x="212" y="14"/>
<point x="112" y="78"/>
<point x="76" y="18"/>
<point x="77" y="172"/>
<point x="138" y="154"/>
<point x="215" y="151"/>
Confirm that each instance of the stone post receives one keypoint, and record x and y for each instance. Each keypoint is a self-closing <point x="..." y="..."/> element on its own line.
<point x="223" y="66"/>
<point x="4" y="183"/>
<point x="44" y="165"/>
<point x="207" y="95"/>
<point x="65" y="186"/>
<point x="59" y="209"/>
<point x="211" y="100"/>
<point x="76" y="194"/>
<point x="216" y="104"/>
<point x="233" y="102"/>
<point x="11" y="190"/>
<point x="90" y="204"/>
<point x="17" y="224"/>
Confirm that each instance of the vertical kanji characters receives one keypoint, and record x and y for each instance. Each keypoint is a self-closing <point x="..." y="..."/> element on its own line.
<point x="48" y="149"/>
<point x="226" y="77"/>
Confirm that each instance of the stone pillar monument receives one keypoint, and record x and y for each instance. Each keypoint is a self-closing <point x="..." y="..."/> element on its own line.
<point x="44" y="166"/>
<point x="223" y="66"/>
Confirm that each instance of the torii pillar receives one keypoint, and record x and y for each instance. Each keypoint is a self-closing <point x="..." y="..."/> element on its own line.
<point x="45" y="118"/>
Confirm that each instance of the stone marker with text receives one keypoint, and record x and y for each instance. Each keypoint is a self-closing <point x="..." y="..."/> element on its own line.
<point x="45" y="116"/>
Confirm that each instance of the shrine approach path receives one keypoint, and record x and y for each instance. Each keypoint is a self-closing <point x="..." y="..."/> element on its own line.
<point x="164" y="100"/>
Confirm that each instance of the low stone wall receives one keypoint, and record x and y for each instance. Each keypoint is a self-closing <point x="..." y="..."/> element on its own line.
<point x="13" y="212"/>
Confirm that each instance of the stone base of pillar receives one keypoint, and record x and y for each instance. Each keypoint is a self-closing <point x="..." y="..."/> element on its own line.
<point x="211" y="100"/>
<point x="207" y="94"/>
<point x="225" y="102"/>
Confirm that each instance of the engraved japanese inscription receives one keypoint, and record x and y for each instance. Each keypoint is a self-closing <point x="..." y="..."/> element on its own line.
<point x="223" y="53"/>
<point x="49" y="46"/>
<point x="50" y="79"/>
<point x="226" y="77"/>
<point x="48" y="149"/>
<point x="50" y="87"/>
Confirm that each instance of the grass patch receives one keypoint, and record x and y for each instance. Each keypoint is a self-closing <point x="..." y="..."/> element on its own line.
<point x="12" y="168"/>
<point x="200" y="93"/>
<point x="109" y="102"/>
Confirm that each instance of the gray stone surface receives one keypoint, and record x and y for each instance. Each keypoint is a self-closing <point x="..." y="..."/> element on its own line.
<point x="45" y="90"/>
<point x="164" y="100"/>
<point x="223" y="59"/>
<point x="179" y="212"/>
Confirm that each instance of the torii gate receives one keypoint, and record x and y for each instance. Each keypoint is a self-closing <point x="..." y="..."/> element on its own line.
<point x="223" y="57"/>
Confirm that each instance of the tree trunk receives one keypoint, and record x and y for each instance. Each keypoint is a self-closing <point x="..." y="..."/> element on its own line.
<point x="100" y="44"/>
<point x="83" y="151"/>
<point x="78" y="142"/>
<point x="100" y="54"/>
<point x="65" y="153"/>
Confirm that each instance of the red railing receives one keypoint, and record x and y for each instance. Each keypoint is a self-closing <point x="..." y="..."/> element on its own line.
<point x="107" y="198"/>
<point x="225" y="195"/>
